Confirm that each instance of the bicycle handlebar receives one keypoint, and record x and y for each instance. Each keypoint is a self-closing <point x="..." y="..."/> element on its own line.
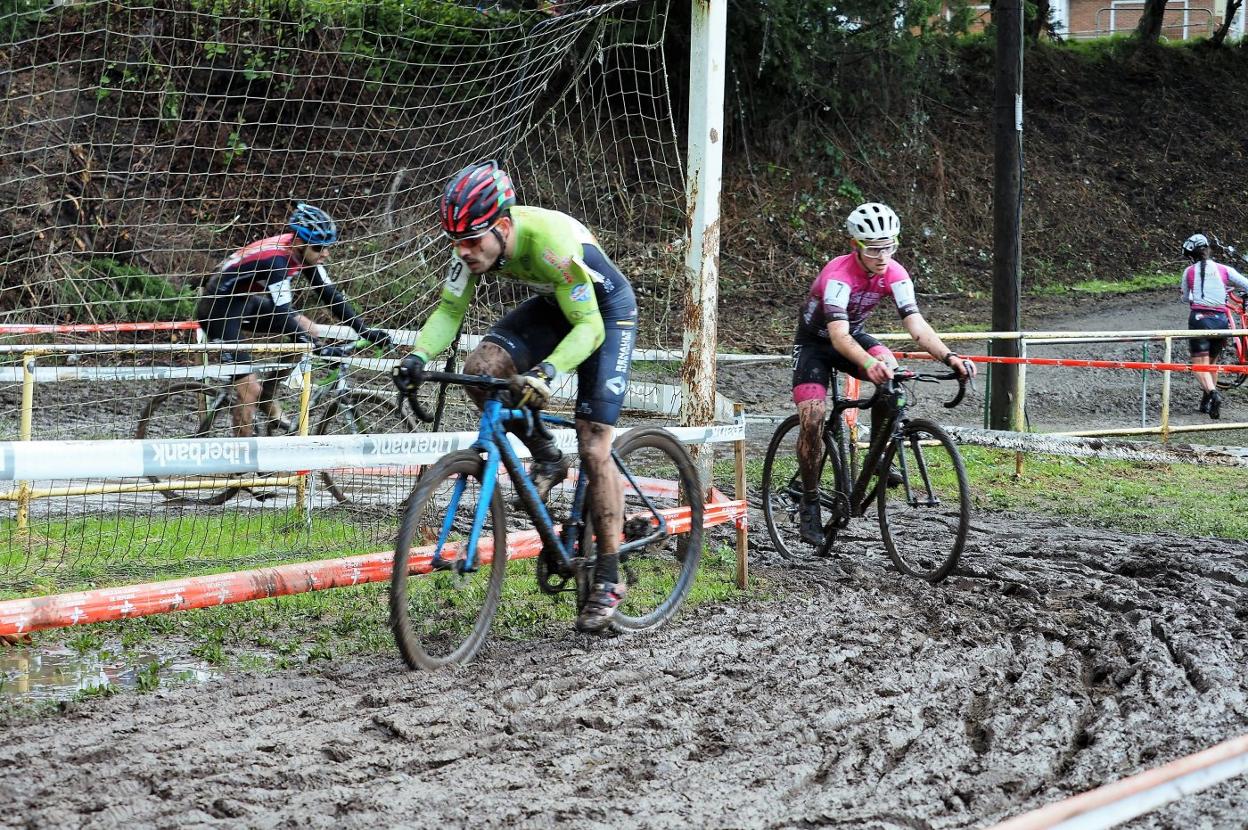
<point x="453" y="379"/>
<point x="906" y="375"/>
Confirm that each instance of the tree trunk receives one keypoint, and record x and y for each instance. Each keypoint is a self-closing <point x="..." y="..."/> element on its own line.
<point x="1039" y="23"/>
<point x="1150" y="22"/>
<point x="1232" y="9"/>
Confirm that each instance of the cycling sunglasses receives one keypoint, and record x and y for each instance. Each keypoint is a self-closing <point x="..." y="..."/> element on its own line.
<point x="317" y="248"/>
<point x="468" y="236"/>
<point x="877" y="251"/>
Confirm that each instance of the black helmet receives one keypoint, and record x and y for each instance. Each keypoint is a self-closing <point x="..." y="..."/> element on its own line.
<point x="313" y="225"/>
<point x="475" y="199"/>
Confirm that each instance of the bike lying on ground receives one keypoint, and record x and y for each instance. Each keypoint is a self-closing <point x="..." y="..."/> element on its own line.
<point x="923" y="524"/>
<point x="195" y="409"/>
<point x="458" y="508"/>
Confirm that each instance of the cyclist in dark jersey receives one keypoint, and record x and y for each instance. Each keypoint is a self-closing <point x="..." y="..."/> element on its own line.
<point x="831" y="336"/>
<point x="252" y="290"/>
<point x="584" y="318"/>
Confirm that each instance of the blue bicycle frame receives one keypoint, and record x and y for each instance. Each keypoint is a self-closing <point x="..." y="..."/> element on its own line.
<point x="492" y="440"/>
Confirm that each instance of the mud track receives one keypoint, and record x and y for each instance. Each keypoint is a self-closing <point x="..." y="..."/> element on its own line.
<point x="1056" y="659"/>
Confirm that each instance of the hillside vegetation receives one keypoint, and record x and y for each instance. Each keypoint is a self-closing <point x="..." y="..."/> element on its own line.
<point x="1128" y="148"/>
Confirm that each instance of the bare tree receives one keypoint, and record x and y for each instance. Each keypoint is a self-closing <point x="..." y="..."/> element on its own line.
<point x="1150" y="21"/>
<point x="1232" y="9"/>
<point x="1040" y="23"/>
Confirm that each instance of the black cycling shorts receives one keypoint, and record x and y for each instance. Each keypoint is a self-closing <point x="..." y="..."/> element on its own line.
<point x="224" y="317"/>
<point x="1212" y="346"/>
<point x="531" y="331"/>
<point x="815" y="361"/>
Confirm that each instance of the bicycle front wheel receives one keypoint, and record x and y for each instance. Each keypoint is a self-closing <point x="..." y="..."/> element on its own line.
<point x="362" y="412"/>
<point x="189" y="410"/>
<point x="924" y="519"/>
<point x="1234" y="353"/>
<point x="782" y="489"/>
<point x="443" y="618"/>
<point x="657" y="476"/>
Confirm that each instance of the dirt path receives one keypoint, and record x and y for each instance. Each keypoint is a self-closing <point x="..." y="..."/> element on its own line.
<point x="1056" y="659"/>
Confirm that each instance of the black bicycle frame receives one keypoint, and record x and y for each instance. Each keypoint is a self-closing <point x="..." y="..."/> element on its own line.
<point x="836" y="440"/>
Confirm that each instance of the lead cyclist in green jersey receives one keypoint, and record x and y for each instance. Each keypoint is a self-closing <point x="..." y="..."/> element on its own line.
<point x="584" y="317"/>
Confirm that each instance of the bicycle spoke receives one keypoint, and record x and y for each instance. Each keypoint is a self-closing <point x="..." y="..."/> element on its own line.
<point x="443" y="617"/>
<point x="659" y="480"/>
<point x="362" y="412"/>
<point x="782" y="491"/>
<point x="924" y="519"/>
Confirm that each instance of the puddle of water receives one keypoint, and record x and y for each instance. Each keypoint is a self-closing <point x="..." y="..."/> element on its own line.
<point x="58" y="673"/>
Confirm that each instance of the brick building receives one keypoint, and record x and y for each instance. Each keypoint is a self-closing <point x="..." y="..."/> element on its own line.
<point x="1099" y="18"/>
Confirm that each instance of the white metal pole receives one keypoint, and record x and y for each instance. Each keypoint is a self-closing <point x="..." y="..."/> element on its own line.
<point x="705" y="171"/>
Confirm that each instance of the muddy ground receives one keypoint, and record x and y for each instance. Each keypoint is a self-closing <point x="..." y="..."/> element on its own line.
<point x="1056" y="659"/>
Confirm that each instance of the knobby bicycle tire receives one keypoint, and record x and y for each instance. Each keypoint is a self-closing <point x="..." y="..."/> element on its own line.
<point x="782" y="499"/>
<point x="935" y="532"/>
<point x="180" y="401"/>
<point x="659" y="575"/>
<point x="436" y="625"/>
<point x="361" y="411"/>
<point x="1234" y="353"/>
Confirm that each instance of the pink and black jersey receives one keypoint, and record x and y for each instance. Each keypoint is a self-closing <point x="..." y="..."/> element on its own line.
<point x="1204" y="285"/>
<point x="844" y="290"/>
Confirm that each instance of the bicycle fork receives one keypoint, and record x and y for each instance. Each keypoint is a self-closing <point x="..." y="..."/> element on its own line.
<point x="467" y="563"/>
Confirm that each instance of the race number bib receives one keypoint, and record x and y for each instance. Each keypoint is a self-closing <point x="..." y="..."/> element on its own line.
<point x="282" y="292"/>
<point x="456" y="277"/>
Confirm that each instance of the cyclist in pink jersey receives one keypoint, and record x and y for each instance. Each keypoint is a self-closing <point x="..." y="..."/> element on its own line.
<point x="1204" y="287"/>
<point x="831" y="337"/>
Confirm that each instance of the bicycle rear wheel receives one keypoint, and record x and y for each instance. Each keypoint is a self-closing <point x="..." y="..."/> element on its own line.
<point x="782" y="489"/>
<point x="443" y="618"/>
<point x="189" y="410"/>
<point x="924" y="522"/>
<point x="1234" y="353"/>
<point x="361" y="412"/>
<point x="657" y="475"/>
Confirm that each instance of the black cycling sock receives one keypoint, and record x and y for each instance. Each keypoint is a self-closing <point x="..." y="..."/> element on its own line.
<point x="607" y="569"/>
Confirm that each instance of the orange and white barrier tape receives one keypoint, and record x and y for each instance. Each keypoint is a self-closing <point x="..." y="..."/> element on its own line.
<point x="1136" y="365"/>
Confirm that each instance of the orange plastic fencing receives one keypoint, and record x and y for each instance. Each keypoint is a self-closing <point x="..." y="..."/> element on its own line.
<point x="21" y="616"/>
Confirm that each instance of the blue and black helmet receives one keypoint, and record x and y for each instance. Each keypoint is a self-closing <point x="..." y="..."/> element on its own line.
<point x="313" y="225"/>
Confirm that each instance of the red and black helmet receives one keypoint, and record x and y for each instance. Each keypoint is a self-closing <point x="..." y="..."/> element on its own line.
<point x="475" y="199"/>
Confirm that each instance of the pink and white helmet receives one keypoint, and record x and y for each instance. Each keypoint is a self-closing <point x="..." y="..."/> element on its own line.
<point x="871" y="221"/>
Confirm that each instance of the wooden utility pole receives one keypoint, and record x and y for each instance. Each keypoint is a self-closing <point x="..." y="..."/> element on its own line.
<point x="1007" y="206"/>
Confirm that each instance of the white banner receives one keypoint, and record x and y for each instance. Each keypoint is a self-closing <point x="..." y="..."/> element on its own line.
<point x="68" y="460"/>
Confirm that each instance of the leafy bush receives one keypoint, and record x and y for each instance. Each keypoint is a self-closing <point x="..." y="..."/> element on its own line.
<point x="116" y="292"/>
<point x="791" y="57"/>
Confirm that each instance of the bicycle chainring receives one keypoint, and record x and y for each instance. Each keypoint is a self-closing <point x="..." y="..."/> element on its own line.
<point x="550" y="577"/>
